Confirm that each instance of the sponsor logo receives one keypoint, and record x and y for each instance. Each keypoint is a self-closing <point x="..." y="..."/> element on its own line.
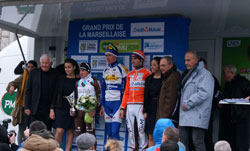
<point x="137" y="83"/>
<point x="233" y="43"/>
<point x="153" y="45"/>
<point x="112" y="87"/>
<point x="147" y="29"/>
<point x="131" y="76"/>
<point x="102" y="63"/>
<point x="123" y="46"/>
<point x="139" y="77"/>
<point x="111" y="77"/>
<point x="84" y="91"/>
<point x="8" y="102"/>
<point x="98" y="63"/>
<point x="88" y="46"/>
<point x="141" y="125"/>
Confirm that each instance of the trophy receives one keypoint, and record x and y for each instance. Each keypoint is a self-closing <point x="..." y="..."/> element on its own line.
<point x="71" y="100"/>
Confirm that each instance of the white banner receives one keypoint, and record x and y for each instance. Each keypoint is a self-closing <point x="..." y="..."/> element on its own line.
<point x="153" y="45"/>
<point x="147" y="29"/>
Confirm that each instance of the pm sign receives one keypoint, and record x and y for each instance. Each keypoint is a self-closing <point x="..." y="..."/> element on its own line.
<point x="8" y="102"/>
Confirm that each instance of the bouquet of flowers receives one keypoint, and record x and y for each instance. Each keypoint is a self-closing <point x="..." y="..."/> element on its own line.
<point x="88" y="104"/>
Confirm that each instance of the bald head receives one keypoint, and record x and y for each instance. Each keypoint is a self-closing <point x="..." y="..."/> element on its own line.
<point x="222" y="146"/>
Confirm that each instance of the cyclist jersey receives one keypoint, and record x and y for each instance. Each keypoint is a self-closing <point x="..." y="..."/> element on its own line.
<point x="134" y="91"/>
<point x="113" y="82"/>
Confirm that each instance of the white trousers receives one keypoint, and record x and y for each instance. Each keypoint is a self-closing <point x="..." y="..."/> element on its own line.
<point x="135" y="111"/>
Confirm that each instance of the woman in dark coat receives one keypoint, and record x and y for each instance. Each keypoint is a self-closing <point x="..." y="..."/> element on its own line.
<point x="151" y="98"/>
<point x="64" y="120"/>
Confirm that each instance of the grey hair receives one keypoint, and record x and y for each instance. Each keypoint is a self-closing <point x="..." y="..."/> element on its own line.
<point x="222" y="146"/>
<point x="194" y="54"/>
<point x="231" y="68"/>
<point x="43" y="56"/>
<point x="169" y="59"/>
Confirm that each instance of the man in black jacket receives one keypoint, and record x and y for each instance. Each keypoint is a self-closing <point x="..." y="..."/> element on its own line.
<point x="39" y="91"/>
<point x="7" y="143"/>
<point x="235" y="117"/>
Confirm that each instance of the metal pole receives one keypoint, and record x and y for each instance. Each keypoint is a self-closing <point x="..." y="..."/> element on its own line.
<point x="20" y="48"/>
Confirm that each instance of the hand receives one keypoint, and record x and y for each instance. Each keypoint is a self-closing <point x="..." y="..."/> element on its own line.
<point x="92" y="113"/>
<point x="12" y="138"/>
<point x="121" y="113"/>
<point x="247" y="98"/>
<point x="27" y="111"/>
<point x="11" y="90"/>
<point x="52" y="114"/>
<point x="26" y="133"/>
<point x="102" y="111"/>
<point x="183" y="107"/>
<point x="145" y="115"/>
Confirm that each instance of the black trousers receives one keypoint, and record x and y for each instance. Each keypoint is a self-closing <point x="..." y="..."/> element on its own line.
<point x="238" y="136"/>
<point x="22" y="127"/>
<point x="209" y="134"/>
<point x="44" y="117"/>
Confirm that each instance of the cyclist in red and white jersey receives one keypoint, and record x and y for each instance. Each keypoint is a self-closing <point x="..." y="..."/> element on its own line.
<point x="133" y="99"/>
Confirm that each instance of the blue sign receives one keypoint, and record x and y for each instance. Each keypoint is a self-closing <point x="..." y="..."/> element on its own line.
<point x="154" y="36"/>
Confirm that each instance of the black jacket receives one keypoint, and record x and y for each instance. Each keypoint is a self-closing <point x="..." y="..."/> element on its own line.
<point x="57" y="98"/>
<point x="4" y="141"/>
<point x="33" y="89"/>
<point x="147" y="98"/>
<point x="239" y="87"/>
<point x="5" y="147"/>
<point x="217" y="96"/>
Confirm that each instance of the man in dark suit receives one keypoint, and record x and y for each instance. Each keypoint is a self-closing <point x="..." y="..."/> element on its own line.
<point x="235" y="118"/>
<point x="39" y="91"/>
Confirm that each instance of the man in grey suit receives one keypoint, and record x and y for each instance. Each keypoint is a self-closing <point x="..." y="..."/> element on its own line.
<point x="197" y="85"/>
<point x="40" y="90"/>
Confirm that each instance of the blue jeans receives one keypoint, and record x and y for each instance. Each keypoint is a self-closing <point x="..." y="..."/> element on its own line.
<point x="197" y="135"/>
